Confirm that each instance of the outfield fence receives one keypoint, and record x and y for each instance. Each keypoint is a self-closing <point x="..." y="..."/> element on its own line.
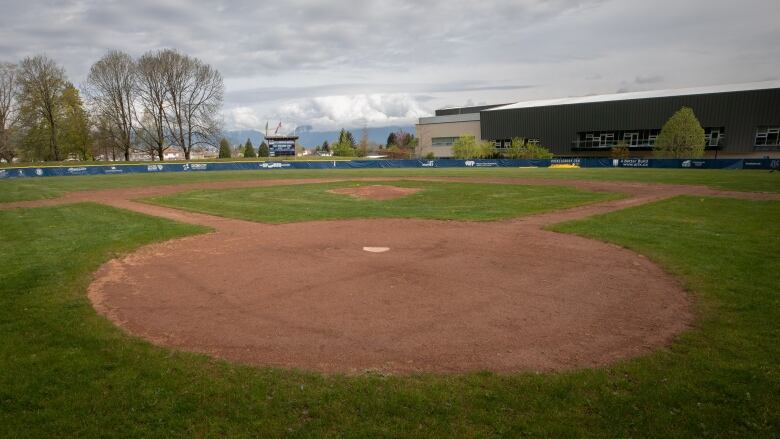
<point x="151" y="168"/>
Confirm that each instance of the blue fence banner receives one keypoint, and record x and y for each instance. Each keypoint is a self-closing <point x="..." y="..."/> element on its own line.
<point x="150" y="168"/>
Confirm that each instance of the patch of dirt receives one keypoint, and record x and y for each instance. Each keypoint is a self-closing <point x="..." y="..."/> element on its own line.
<point x="376" y="192"/>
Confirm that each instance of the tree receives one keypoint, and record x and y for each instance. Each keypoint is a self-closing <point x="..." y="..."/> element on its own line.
<point x="262" y="150"/>
<point x="465" y="147"/>
<point x="224" y="149"/>
<point x="195" y="91"/>
<point x="76" y="126"/>
<point x="620" y="150"/>
<point x="111" y="87"/>
<point x="9" y="110"/>
<point x="535" y="151"/>
<point x="517" y="149"/>
<point x="487" y="150"/>
<point x="325" y="146"/>
<point x="42" y="83"/>
<point x="390" y="140"/>
<point x="345" y="145"/>
<point x="249" y="149"/>
<point x="681" y="136"/>
<point x="153" y="100"/>
<point x="362" y="148"/>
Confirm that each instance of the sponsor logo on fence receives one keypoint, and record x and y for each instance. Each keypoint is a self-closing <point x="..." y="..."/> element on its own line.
<point x="3" y="173"/>
<point x="113" y="170"/>
<point x="154" y="168"/>
<point x="565" y="162"/>
<point x="635" y="163"/>
<point x="39" y="172"/>
<point x="686" y="164"/>
<point x="198" y="166"/>
<point x="266" y="165"/>
<point x="77" y="170"/>
<point x="774" y="164"/>
<point x="476" y="164"/>
<point x="428" y="164"/>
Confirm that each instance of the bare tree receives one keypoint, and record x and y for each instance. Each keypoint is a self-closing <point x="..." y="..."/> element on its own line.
<point x="111" y="87"/>
<point x="9" y="109"/>
<point x="153" y="101"/>
<point x="195" y="92"/>
<point x="42" y="83"/>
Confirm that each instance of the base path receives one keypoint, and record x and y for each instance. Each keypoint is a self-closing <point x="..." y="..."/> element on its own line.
<point x="447" y="296"/>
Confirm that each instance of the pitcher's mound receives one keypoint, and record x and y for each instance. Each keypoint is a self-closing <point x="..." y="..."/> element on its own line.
<point x="376" y="192"/>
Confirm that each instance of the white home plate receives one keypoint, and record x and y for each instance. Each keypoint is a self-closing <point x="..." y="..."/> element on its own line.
<point x="376" y="249"/>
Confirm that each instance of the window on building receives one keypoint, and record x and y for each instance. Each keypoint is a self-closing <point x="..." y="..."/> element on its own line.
<point x="443" y="141"/>
<point x="768" y="136"/>
<point x="713" y="136"/>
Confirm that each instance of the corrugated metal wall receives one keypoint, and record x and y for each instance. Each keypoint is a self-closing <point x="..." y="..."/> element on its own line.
<point x="557" y="126"/>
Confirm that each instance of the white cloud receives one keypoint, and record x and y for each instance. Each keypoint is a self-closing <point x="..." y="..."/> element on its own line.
<point x="242" y="118"/>
<point x="329" y="112"/>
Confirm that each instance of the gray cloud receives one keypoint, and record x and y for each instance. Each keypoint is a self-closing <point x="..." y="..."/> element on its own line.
<point x="279" y="58"/>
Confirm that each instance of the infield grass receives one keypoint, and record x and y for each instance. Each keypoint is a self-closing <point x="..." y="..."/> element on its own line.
<point x="442" y="201"/>
<point x="65" y="371"/>
<point x="18" y="189"/>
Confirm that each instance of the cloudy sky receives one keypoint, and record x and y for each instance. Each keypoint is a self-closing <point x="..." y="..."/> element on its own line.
<point x="377" y="63"/>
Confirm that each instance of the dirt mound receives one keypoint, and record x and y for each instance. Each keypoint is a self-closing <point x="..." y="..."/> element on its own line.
<point x="376" y="192"/>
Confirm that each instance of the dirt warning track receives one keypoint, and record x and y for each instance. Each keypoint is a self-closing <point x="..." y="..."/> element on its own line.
<point x="446" y="296"/>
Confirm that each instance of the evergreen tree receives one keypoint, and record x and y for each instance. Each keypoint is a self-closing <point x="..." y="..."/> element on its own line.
<point x="224" y="149"/>
<point x="391" y="140"/>
<point x="325" y="146"/>
<point x="262" y="150"/>
<point x="681" y="136"/>
<point x="249" y="149"/>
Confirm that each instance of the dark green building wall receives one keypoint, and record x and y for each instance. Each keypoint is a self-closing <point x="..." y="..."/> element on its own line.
<point x="556" y="127"/>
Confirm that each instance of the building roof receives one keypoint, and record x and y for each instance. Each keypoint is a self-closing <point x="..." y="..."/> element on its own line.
<point x="763" y="85"/>
<point x="466" y="117"/>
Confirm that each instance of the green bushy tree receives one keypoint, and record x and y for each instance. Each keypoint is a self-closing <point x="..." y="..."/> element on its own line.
<point x="465" y="147"/>
<point x="681" y="136"/>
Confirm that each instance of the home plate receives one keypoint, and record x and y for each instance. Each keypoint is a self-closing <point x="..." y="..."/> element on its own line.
<point x="376" y="249"/>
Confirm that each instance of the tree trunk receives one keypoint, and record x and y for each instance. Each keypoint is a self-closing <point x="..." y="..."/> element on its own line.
<point x="160" y="153"/>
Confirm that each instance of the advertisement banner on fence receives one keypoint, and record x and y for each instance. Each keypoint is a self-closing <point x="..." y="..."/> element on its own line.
<point x="53" y="171"/>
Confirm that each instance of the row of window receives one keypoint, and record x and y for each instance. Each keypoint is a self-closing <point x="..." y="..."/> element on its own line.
<point x="714" y="137"/>
<point x="638" y="138"/>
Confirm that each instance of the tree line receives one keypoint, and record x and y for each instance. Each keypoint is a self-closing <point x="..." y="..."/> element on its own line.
<point x="163" y="99"/>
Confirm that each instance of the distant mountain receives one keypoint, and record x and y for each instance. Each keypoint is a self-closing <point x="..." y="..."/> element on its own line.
<point x="310" y="139"/>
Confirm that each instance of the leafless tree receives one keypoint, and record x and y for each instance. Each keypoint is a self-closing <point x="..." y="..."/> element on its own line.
<point x="153" y="101"/>
<point x="9" y="109"/>
<point x="111" y="87"/>
<point x="195" y="92"/>
<point x="42" y="83"/>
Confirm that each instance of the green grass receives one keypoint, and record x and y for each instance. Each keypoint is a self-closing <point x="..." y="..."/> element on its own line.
<point x="64" y="371"/>
<point x="50" y="187"/>
<point x="442" y="201"/>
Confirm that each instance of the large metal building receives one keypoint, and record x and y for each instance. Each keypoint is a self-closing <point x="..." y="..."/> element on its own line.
<point x="739" y="120"/>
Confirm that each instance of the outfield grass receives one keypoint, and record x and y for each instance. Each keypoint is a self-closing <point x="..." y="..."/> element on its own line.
<point x="19" y="189"/>
<point x="442" y="201"/>
<point x="64" y="371"/>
